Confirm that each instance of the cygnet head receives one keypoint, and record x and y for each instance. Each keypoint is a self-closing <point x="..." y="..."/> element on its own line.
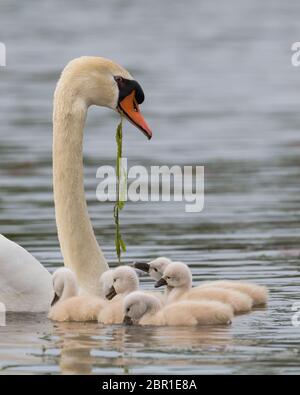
<point x="64" y="285"/>
<point x="137" y="304"/>
<point x="155" y="268"/>
<point x="106" y="282"/>
<point x="98" y="81"/>
<point x="124" y="280"/>
<point x="176" y="275"/>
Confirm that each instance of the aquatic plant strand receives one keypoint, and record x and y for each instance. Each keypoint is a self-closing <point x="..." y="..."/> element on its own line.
<point x="120" y="201"/>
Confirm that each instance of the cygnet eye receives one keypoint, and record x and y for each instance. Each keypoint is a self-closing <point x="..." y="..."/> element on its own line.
<point x="115" y="280"/>
<point x="128" y="309"/>
<point x="155" y="269"/>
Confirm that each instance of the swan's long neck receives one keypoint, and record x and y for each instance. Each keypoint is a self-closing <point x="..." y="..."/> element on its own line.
<point x="79" y="247"/>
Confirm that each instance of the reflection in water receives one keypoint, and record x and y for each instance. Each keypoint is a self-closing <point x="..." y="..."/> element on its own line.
<point x="75" y="359"/>
<point x="220" y="92"/>
<point x="87" y="348"/>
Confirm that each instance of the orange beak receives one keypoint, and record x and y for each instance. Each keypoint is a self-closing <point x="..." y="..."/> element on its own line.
<point x="130" y="109"/>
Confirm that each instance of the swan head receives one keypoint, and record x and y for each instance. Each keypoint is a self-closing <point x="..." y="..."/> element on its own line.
<point x="64" y="285"/>
<point x="176" y="275"/>
<point x="124" y="280"/>
<point x="106" y="282"/>
<point x="102" y="82"/>
<point x="137" y="304"/>
<point x="155" y="268"/>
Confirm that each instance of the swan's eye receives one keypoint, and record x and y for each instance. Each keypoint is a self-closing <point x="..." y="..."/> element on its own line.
<point x="155" y="269"/>
<point x="115" y="280"/>
<point x="168" y="278"/>
<point x="119" y="80"/>
<point x="128" y="309"/>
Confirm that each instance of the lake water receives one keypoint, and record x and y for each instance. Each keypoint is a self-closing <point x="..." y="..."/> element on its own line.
<point x="220" y="92"/>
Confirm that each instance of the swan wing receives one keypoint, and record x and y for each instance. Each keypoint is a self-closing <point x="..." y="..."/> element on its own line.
<point x="25" y="285"/>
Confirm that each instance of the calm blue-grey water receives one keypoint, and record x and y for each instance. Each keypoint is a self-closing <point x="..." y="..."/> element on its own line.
<point x="220" y="92"/>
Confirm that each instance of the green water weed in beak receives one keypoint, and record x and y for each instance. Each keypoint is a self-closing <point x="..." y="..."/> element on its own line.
<point x="121" y="194"/>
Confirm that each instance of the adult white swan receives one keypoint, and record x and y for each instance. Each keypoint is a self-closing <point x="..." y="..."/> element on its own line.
<point x="25" y="285"/>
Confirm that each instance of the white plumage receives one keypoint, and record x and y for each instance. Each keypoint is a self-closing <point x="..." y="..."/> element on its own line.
<point x="25" y="285"/>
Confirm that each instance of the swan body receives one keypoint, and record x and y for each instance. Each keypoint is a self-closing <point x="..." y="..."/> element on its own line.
<point x="143" y="309"/>
<point x="178" y="277"/>
<point x="257" y="293"/>
<point x="112" y="312"/>
<point x="81" y="308"/>
<point x="240" y="302"/>
<point x="68" y="305"/>
<point x="24" y="284"/>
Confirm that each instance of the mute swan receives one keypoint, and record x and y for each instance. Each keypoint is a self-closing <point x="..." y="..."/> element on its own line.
<point x="67" y="305"/>
<point x="124" y="281"/>
<point x="140" y="308"/>
<point x="24" y="284"/>
<point x="178" y="277"/>
<point x="258" y="293"/>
